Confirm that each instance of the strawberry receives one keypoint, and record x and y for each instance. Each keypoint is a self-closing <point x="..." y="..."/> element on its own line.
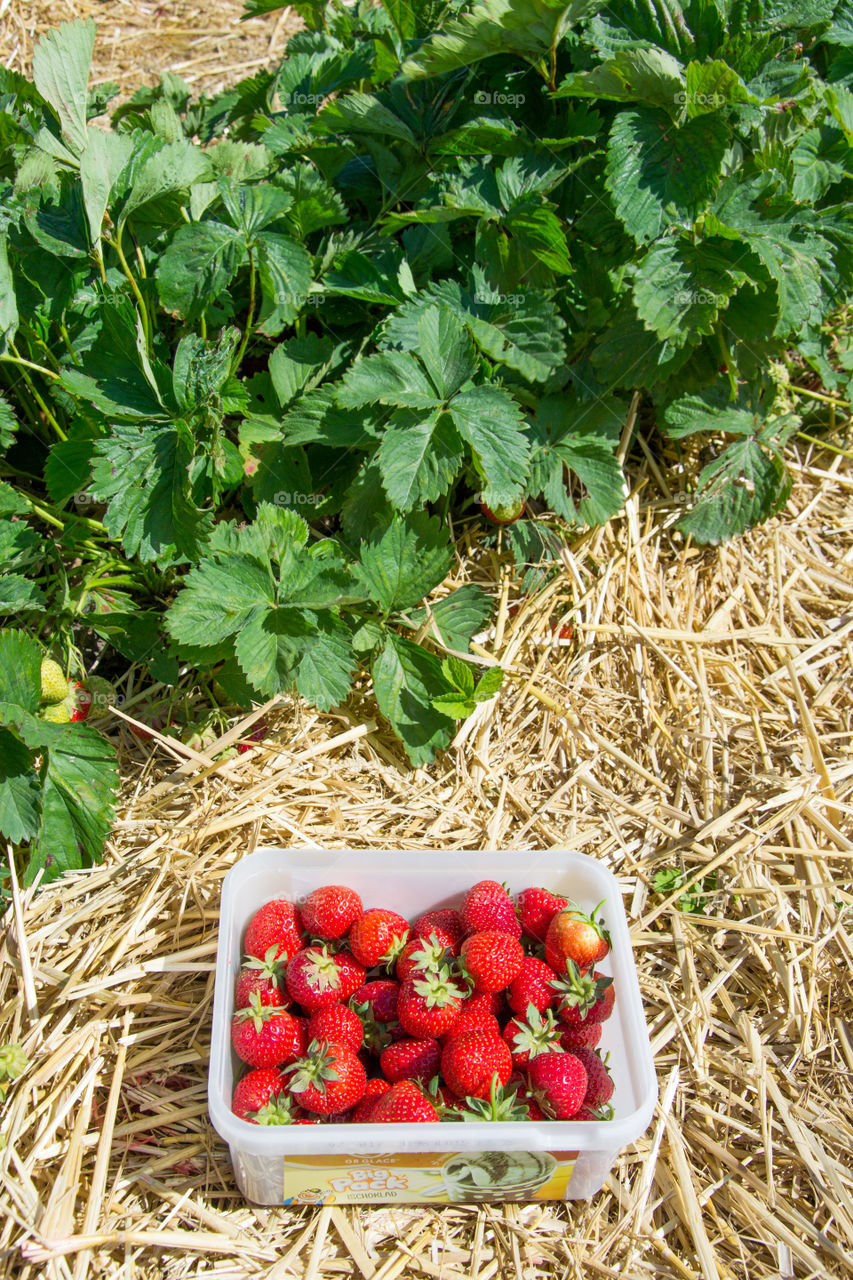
<point x="363" y="1112"/>
<point x="429" y="1004"/>
<point x="265" y="977"/>
<point x="54" y="684"/>
<point x="446" y="923"/>
<point x="558" y="1083"/>
<point x="488" y="906"/>
<point x="378" y="936"/>
<point x="573" y="935"/>
<point x="491" y="959"/>
<point x="81" y="700"/>
<point x="420" y="956"/>
<point x="472" y="1018"/>
<point x="266" y="1037"/>
<point x="255" y="1090"/>
<point x="316" y="978"/>
<point x="502" y="1103"/>
<point x="381" y="996"/>
<point x="470" y="1060"/>
<point x="410" y="1060"/>
<point x="329" y="911"/>
<point x="536" y="910"/>
<point x="531" y="985"/>
<point x="328" y="1080"/>
<point x="257" y="735"/>
<point x="587" y="1113"/>
<point x="586" y="1035"/>
<point x="276" y="922"/>
<point x="503" y="515"/>
<point x="529" y="1037"/>
<point x="404" y="1103"/>
<point x="338" y="1023"/>
<point x="58" y="712"/>
<point x="599" y="1083"/>
<point x="583" y="997"/>
<point x="524" y="1097"/>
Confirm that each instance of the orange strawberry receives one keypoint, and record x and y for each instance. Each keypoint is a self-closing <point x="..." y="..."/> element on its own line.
<point x="573" y="935"/>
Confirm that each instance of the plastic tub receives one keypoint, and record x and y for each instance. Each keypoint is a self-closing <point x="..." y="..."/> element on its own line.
<point x="429" y="1163"/>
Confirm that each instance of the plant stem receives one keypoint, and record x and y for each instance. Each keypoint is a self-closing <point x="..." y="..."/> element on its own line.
<point x="729" y="363"/>
<point x="48" y="413"/>
<point x="816" y="395"/>
<point x="241" y="350"/>
<point x="824" y="444"/>
<point x="140" y="301"/>
<point x="28" y="364"/>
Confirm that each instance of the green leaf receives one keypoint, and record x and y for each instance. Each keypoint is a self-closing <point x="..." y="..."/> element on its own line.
<point x="580" y="437"/>
<point x="658" y="173"/>
<point x="20" y="670"/>
<point x="713" y="85"/>
<point x="135" y="634"/>
<point x="489" y="420"/>
<point x="445" y="350"/>
<point x="105" y="157"/>
<point x="8" y="305"/>
<point x="284" y="269"/>
<point x="198" y="266"/>
<point x="743" y="486"/>
<point x="201" y="369"/>
<point x="458" y="616"/>
<point x="18" y="594"/>
<point x="295" y="366"/>
<point x="680" y="287"/>
<point x="402" y="564"/>
<point x="367" y="278"/>
<point x="8" y="423"/>
<point x="68" y="469"/>
<point x="634" y="75"/>
<point x="253" y="207"/>
<point x="269" y="646"/>
<point x="362" y="113"/>
<point x="406" y="679"/>
<point x="171" y="169"/>
<point x="389" y="377"/>
<point x="489" y="684"/>
<point x="61" y="64"/>
<point x="142" y="474"/>
<point x="218" y="597"/>
<point x="314" y="203"/>
<point x="325" y="671"/>
<point x="459" y="674"/>
<point x="420" y="456"/>
<point x="78" y="801"/>
<point x="20" y="793"/>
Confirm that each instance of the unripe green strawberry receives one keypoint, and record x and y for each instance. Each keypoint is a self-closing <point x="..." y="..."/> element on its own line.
<point x="103" y="695"/>
<point x="54" y="684"/>
<point x="58" y="712"/>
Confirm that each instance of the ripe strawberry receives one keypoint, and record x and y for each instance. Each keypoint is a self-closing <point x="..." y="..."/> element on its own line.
<point x="491" y="959"/>
<point x="573" y="935"/>
<point x="316" y="978"/>
<point x="265" y="977"/>
<point x="81" y="700"/>
<point x="410" y="1060"/>
<point x="429" y="1004"/>
<point x="529" y="1037"/>
<point x="381" y="996"/>
<point x="584" y="1036"/>
<point x="476" y="1018"/>
<point x="470" y="1060"/>
<point x="267" y="1037"/>
<point x="363" y="1112"/>
<point x="54" y="685"/>
<point x="536" y="910"/>
<point x="257" y="735"/>
<point x="587" y="1113"/>
<point x="583" y="997"/>
<point x="531" y="985"/>
<point x="599" y="1085"/>
<point x="421" y="956"/>
<point x="328" y="1080"/>
<point x="254" y="1092"/>
<point x="276" y="922"/>
<point x="329" y="911"/>
<point x="558" y="1083"/>
<point x="446" y="923"/>
<point x="337" y="1023"/>
<point x="524" y="1097"/>
<point x="404" y="1103"/>
<point x="488" y="906"/>
<point x="378" y="936"/>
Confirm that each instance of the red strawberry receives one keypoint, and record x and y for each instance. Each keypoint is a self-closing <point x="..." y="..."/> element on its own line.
<point x="264" y="977"/>
<point x="584" y="1036"/>
<point x="429" y="1004"/>
<point x="378" y="936"/>
<point x="267" y="1037"/>
<point x="446" y="923"/>
<point x="558" y="1082"/>
<point x="525" y="1097"/>
<point x="491" y="1001"/>
<point x="82" y="701"/>
<point x="257" y="735"/>
<point x="587" y="1113"/>
<point x="261" y="1098"/>
<point x="404" y="1103"/>
<point x="584" y="997"/>
<point x="410" y="1060"/>
<point x="536" y="910"/>
<point x="476" y="1018"/>
<point x="488" y="906"/>
<point x="381" y="995"/>
<point x="492" y="959"/>
<point x="337" y="1023"/>
<point x="420" y="956"/>
<point x="529" y="1037"/>
<point x="328" y="1080"/>
<point x="329" y="911"/>
<point x="599" y="1084"/>
<point x="469" y="1061"/>
<point x="276" y="923"/>
<point x="316" y="978"/>
<point x="531" y="985"/>
<point x="573" y="935"/>
<point x="362" y="1113"/>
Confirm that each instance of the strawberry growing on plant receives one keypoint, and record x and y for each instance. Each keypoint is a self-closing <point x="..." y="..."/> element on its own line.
<point x="54" y="682"/>
<point x="507" y="514"/>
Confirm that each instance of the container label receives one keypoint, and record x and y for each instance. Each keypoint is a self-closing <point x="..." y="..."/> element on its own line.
<point x="428" y="1177"/>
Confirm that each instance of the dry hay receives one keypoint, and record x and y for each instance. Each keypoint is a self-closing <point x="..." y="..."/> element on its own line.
<point x="700" y="719"/>
<point x="203" y="41"/>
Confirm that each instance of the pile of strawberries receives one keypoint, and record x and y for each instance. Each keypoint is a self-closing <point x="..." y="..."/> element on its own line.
<point x="489" y="1012"/>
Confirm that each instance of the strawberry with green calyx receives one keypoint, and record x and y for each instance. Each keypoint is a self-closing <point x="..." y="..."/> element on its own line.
<point x="260" y="1098"/>
<point x="329" y="912"/>
<point x="531" y="985"/>
<point x="410" y="1059"/>
<point x="599" y="1083"/>
<point x="491" y="960"/>
<point x="421" y="956"/>
<point x="530" y="1036"/>
<point x="316" y="977"/>
<point x="378" y="936"/>
<point x="503" y="1103"/>
<point x="428" y="1004"/>
<point x="574" y="935"/>
<point x="404" y="1103"/>
<point x="536" y="910"/>
<point x="266" y="977"/>
<point x="265" y="1036"/>
<point x="338" y="1023"/>
<point x="381" y="996"/>
<point x="600" y="1114"/>
<point x="81" y="700"/>
<point x="469" y="1061"/>
<point x="445" y="923"/>
<point x="54" y="682"/>
<point x="362" y="1113"/>
<point x="329" y="1079"/>
<point x="583" y="997"/>
<point x="275" y="923"/>
<point x="487" y="906"/>
<point x="558" y="1084"/>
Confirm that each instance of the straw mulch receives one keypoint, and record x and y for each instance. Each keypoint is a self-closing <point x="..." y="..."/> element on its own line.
<point x="700" y="719"/>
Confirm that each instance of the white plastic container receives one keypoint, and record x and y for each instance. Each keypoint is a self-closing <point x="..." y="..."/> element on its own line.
<point x="429" y="1163"/>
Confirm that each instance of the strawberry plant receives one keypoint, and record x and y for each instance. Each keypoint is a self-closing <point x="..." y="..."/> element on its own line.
<point x="263" y="354"/>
